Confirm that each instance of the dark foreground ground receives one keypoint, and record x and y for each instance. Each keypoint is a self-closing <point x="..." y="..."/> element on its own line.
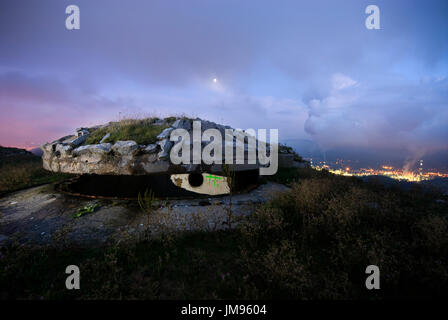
<point x="42" y="215"/>
<point x="310" y="241"/>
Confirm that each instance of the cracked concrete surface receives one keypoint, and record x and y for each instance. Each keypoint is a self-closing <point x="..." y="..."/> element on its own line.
<point x="42" y="215"/>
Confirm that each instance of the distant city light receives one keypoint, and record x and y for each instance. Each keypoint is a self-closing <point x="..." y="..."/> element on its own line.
<point x="338" y="167"/>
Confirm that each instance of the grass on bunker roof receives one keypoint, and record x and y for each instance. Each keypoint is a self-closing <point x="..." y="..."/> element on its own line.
<point x="142" y="131"/>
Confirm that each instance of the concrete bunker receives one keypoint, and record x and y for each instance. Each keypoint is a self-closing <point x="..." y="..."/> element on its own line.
<point x="108" y="164"/>
<point x="164" y="186"/>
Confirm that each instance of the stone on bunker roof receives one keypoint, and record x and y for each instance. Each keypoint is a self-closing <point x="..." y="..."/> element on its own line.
<point x="165" y="146"/>
<point x="64" y="150"/>
<point x="182" y="124"/>
<point x="105" y="137"/>
<point x="125" y="147"/>
<point x="152" y="148"/>
<point x="165" y="134"/>
<point x="93" y="148"/>
<point x="82" y="132"/>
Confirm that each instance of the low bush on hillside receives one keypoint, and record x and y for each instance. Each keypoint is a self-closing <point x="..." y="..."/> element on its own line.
<point x="316" y="240"/>
<point x="313" y="241"/>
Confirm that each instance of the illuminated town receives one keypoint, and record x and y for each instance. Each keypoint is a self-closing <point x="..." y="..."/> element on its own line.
<point x="339" y="167"/>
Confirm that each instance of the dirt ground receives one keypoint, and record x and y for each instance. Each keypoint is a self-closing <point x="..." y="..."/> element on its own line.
<point x="42" y="215"/>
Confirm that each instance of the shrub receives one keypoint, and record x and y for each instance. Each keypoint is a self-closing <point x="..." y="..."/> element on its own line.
<point x="142" y="131"/>
<point x="330" y="228"/>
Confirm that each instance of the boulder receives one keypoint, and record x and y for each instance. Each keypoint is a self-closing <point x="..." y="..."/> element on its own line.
<point x="152" y="148"/>
<point x="105" y="137"/>
<point x="48" y="147"/>
<point x="93" y="148"/>
<point x="81" y="132"/>
<point x="182" y="124"/>
<point x="165" y="134"/>
<point x="125" y="147"/>
<point x="165" y="146"/>
<point x="64" y="150"/>
<point x="79" y="141"/>
<point x="92" y="152"/>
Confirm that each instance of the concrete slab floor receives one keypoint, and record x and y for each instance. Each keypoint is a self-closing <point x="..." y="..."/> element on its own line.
<point x="42" y="215"/>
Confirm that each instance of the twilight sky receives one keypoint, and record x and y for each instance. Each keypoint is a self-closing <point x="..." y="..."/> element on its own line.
<point x="309" y="68"/>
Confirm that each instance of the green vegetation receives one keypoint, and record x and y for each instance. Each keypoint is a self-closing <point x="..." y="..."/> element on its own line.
<point x="24" y="171"/>
<point x="147" y="203"/>
<point x="172" y="119"/>
<point x="311" y="242"/>
<point x="142" y="131"/>
<point x="86" y="209"/>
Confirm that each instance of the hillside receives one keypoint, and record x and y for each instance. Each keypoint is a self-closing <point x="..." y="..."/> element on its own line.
<point x="8" y="154"/>
<point x="21" y="169"/>
<point x="312" y="241"/>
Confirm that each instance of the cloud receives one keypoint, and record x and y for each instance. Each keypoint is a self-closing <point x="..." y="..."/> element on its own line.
<point x="409" y="116"/>
<point x="42" y="108"/>
<point x="341" y="81"/>
<point x="308" y="68"/>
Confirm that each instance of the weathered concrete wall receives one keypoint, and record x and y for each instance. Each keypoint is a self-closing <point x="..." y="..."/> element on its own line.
<point x="69" y="155"/>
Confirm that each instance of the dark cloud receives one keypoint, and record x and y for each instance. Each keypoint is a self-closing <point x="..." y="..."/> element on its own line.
<point x="413" y="117"/>
<point x="310" y="68"/>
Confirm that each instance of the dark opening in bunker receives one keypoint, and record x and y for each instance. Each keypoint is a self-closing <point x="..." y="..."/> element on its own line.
<point x="128" y="187"/>
<point x="195" y="179"/>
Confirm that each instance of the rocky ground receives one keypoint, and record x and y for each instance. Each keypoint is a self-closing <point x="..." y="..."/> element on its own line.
<point x="42" y="215"/>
